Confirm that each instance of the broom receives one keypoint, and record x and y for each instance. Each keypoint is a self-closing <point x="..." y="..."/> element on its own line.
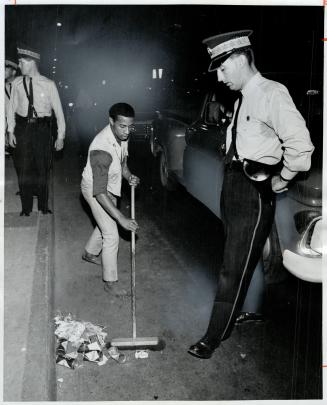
<point x="144" y="342"/>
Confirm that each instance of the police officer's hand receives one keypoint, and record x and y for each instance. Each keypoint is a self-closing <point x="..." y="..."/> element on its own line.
<point x="59" y="144"/>
<point x="133" y="180"/>
<point x="128" y="224"/>
<point x="278" y="185"/>
<point x="12" y="140"/>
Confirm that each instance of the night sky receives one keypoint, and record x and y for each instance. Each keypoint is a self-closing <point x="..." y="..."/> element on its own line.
<point x="120" y="45"/>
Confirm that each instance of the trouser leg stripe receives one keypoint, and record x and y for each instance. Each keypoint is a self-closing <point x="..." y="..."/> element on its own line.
<point x="246" y="265"/>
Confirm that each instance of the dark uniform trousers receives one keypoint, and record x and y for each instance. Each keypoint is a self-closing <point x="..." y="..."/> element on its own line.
<point x="247" y="218"/>
<point x="32" y="158"/>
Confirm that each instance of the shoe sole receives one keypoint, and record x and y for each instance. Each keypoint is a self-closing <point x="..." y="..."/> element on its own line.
<point x="197" y="356"/>
<point x="90" y="261"/>
<point x="249" y="321"/>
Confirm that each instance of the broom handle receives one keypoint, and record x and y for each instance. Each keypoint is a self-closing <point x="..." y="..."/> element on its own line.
<point x="133" y="263"/>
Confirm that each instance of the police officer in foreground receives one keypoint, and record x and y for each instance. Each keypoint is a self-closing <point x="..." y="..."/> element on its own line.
<point x="266" y="130"/>
<point x="29" y="126"/>
<point x="10" y="74"/>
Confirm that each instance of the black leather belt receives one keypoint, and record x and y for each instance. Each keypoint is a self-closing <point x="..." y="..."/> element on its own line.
<point x="235" y="165"/>
<point x="33" y="120"/>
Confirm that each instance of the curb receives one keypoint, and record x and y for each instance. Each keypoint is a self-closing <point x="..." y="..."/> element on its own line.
<point x="39" y="380"/>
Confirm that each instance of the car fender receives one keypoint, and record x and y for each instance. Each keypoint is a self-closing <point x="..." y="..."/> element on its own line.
<point x="170" y="137"/>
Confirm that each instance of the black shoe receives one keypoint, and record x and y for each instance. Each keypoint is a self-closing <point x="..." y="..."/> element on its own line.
<point x="88" y="257"/>
<point x="249" y="317"/>
<point x="24" y="214"/>
<point x="45" y="212"/>
<point x="202" y="349"/>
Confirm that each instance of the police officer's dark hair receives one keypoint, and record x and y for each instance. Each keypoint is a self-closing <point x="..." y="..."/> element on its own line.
<point x="123" y="109"/>
<point x="247" y="52"/>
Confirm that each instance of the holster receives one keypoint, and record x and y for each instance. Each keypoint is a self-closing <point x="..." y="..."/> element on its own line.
<point x="260" y="175"/>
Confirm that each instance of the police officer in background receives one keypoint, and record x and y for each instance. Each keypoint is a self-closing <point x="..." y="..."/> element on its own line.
<point x="266" y="130"/>
<point x="10" y="74"/>
<point x="29" y="126"/>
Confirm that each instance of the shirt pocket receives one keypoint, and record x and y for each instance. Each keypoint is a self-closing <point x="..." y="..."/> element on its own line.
<point x="252" y="125"/>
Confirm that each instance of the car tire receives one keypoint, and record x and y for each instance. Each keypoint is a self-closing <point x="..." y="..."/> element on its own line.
<point x="274" y="270"/>
<point x="154" y="147"/>
<point x="166" y="179"/>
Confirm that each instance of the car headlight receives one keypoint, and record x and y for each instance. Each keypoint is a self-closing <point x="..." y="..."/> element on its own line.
<point x="311" y="240"/>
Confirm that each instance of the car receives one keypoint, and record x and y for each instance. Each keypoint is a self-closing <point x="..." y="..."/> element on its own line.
<point x="190" y="147"/>
<point x="143" y="125"/>
<point x="299" y="211"/>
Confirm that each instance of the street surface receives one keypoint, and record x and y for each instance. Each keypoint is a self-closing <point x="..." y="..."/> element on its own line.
<point x="178" y="251"/>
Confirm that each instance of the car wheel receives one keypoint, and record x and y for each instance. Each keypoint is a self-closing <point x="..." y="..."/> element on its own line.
<point x="273" y="260"/>
<point x="165" y="178"/>
<point x="154" y="147"/>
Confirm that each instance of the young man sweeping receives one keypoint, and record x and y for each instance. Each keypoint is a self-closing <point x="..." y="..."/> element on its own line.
<point x="101" y="186"/>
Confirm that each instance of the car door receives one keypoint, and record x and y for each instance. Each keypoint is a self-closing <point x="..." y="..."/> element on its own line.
<point x="203" y="165"/>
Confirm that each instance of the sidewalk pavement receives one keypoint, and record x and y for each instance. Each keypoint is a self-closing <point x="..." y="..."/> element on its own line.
<point x="28" y="370"/>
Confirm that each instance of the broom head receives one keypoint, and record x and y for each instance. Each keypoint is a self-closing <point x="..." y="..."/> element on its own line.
<point x="144" y="342"/>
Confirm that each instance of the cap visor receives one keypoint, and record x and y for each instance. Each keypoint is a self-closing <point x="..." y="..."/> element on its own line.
<point x="23" y="56"/>
<point x="214" y="65"/>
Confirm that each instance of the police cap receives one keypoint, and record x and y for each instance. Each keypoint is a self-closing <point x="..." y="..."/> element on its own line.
<point x="25" y="51"/>
<point x="221" y="47"/>
<point x="10" y="63"/>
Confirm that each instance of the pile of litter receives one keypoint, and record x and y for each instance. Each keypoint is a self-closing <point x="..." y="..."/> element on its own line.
<point x="79" y="341"/>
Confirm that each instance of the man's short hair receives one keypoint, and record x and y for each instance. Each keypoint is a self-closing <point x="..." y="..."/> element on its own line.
<point x="247" y="52"/>
<point x="123" y="109"/>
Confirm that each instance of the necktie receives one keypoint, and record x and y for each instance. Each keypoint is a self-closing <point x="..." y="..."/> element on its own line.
<point x="31" y="100"/>
<point x="232" y="149"/>
<point x="8" y="92"/>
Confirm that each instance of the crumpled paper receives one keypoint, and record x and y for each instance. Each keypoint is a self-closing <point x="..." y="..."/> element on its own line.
<point x="116" y="355"/>
<point x="141" y="354"/>
<point x="77" y="332"/>
<point x="79" y="341"/>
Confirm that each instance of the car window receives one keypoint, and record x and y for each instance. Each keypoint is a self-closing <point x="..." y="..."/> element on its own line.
<point x="225" y="97"/>
<point x="184" y="103"/>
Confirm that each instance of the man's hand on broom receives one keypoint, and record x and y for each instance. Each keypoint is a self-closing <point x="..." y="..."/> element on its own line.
<point x="128" y="224"/>
<point x="133" y="180"/>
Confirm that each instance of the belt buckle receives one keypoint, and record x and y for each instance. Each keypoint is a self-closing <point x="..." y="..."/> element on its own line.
<point x="32" y="120"/>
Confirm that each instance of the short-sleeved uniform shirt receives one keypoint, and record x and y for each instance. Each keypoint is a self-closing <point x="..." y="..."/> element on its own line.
<point x="269" y="127"/>
<point x="103" y="170"/>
